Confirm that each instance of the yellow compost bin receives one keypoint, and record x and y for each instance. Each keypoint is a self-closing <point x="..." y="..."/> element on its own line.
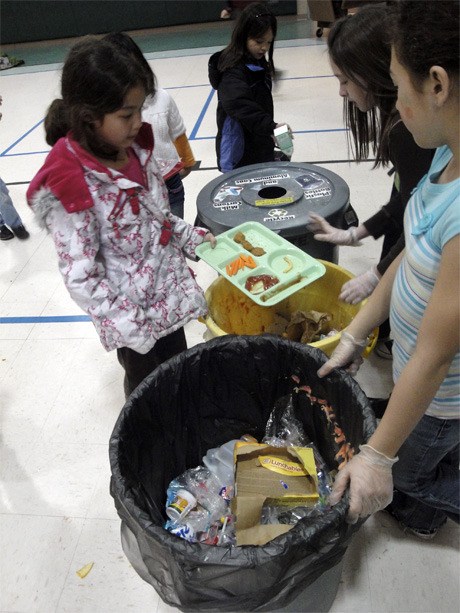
<point x="232" y="312"/>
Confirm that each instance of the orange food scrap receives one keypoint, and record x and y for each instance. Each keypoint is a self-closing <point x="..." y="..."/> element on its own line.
<point x="239" y="263"/>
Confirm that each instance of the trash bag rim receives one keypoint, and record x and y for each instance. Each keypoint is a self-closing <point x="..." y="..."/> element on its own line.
<point x="252" y="554"/>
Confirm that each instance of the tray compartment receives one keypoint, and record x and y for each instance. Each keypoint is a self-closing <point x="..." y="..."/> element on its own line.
<point x="258" y="236"/>
<point x="286" y="262"/>
<point x="254" y="272"/>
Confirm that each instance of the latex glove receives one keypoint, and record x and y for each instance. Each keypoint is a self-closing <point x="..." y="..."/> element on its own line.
<point x="346" y="354"/>
<point x="371" y="483"/>
<point x="360" y="287"/>
<point x="323" y="231"/>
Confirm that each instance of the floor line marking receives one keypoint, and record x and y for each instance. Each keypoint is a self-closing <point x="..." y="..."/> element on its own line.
<point x="45" y="319"/>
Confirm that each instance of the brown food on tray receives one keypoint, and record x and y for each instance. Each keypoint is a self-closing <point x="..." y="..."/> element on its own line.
<point x="241" y="239"/>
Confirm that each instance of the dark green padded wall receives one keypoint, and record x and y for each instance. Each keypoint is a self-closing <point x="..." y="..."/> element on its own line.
<point x="29" y="20"/>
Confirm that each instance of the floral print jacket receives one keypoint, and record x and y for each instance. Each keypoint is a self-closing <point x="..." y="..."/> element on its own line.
<point x="121" y="253"/>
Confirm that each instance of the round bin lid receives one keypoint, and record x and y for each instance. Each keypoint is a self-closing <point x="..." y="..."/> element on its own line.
<point x="277" y="194"/>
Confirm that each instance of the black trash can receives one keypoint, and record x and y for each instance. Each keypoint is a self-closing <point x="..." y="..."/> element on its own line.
<point x="211" y="393"/>
<point x="278" y="195"/>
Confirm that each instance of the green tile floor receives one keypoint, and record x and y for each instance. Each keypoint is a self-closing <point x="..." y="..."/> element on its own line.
<point x="195" y="36"/>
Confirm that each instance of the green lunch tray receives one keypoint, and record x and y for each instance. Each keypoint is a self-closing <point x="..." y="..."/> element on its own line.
<point x="293" y="267"/>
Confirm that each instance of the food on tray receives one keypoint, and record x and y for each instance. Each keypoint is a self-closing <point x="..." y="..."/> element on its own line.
<point x="241" y="262"/>
<point x="257" y="284"/>
<point x="241" y="239"/>
<point x="289" y="263"/>
<point x="280" y="288"/>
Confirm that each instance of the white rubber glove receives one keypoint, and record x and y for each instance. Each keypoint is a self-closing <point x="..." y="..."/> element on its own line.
<point x="323" y="231"/>
<point x="371" y="483"/>
<point x="346" y="354"/>
<point x="360" y="287"/>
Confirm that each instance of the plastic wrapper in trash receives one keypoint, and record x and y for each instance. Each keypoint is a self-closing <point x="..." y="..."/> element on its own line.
<point x="207" y="508"/>
<point x="210" y="394"/>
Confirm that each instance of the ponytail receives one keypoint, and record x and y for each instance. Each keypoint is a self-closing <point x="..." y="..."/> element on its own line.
<point x="56" y="121"/>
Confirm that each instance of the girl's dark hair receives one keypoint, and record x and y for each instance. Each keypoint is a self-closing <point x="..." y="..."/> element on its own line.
<point x="95" y="80"/>
<point x="359" y="45"/>
<point x="125" y="44"/>
<point x="426" y="34"/>
<point x="253" y="21"/>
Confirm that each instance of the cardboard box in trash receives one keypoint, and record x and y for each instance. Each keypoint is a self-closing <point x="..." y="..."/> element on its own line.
<point x="276" y="476"/>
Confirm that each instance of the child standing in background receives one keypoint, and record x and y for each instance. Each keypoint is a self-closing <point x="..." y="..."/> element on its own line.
<point x="10" y="223"/>
<point x="101" y="196"/>
<point x="242" y="76"/>
<point x="171" y="149"/>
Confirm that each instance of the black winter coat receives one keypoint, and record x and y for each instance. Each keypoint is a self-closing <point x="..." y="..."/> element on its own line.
<point x="244" y="113"/>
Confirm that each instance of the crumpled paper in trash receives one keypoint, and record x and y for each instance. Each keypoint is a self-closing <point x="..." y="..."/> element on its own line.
<point x="303" y="326"/>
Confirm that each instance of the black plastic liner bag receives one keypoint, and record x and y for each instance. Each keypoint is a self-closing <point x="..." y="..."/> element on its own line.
<point x="200" y="399"/>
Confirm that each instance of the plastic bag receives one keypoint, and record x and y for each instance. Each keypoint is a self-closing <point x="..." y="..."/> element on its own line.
<point x="200" y="399"/>
<point x="201" y="507"/>
<point x="284" y="429"/>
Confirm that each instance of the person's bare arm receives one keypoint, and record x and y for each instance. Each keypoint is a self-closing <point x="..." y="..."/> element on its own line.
<point x="437" y="344"/>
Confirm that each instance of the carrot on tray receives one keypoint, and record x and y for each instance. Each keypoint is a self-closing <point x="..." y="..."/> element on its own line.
<point x="239" y="263"/>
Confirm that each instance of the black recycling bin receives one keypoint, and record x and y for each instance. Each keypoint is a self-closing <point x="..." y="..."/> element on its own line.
<point x="280" y="196"/>
<point x="209" y="394"/>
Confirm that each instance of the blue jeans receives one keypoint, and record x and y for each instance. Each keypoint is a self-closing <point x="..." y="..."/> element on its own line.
<point x="426" y="478"/>
<point x="8" y="214"/>
<point x="176" y="194"/>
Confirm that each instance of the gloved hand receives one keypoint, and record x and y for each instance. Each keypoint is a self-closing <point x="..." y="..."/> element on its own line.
<point x="347" y="353"/>
<point x="371" y="483"/>
<point x="323" y="231"/>
<point x="360" y="287"/>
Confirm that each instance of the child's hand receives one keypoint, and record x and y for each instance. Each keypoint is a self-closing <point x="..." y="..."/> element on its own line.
<point x="279" y="125"/>
<point x="210" y="238"/>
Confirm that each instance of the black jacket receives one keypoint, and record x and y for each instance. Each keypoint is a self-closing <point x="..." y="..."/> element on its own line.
<point x="244" y="113"/>
<point x="411" y="163"/>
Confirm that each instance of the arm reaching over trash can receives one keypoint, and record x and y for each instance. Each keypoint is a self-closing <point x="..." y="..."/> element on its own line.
<point x="420" y="291"/>
<point x="372" y="487"/>
<point x="360" y="287"/>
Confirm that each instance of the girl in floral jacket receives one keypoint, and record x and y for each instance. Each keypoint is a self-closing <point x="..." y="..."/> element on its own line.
<point x="101" y="196"/>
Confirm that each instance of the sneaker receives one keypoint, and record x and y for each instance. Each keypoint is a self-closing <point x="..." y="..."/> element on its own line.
<point x="383" y="349"/>
<point x="5" y="234"/>
<point x="8" y="61"/>
<point x="21" y="232"/>
<point x="424" y="535"/>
